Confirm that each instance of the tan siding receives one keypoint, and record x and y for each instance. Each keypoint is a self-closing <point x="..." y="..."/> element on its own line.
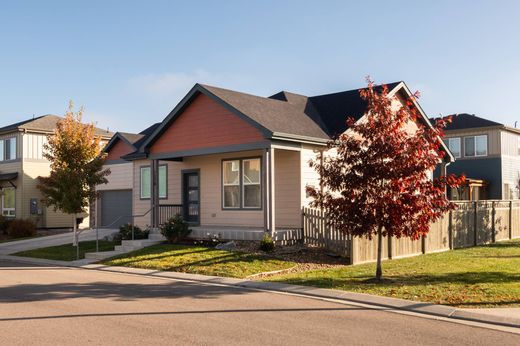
<point x="18" y="137"/>
<point x="309" y="176"/>
<point x="287" y="188"/>
<point x="493" y="138"/>
<point x="120" y="178"/>
<point x="14" y="167"/>
<point x="140" y="206"/>
<point x="51" y="218"/>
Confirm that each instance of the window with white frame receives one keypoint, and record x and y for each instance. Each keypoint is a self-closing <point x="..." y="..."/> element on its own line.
<point x="9" y="202"/>
<point x="454" y="145"/>
<point x="146" y="182"/>
<point x="8" y="149"/>
<point x="241" y="184"/>
<point x="475" y="146"/>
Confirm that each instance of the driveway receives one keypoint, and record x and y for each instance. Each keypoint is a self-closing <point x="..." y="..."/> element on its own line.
<point x="58" y="305"/>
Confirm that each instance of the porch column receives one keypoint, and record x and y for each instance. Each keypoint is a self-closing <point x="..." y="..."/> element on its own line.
<point x="271" y="189"/>
<point x="265" y="195"/>
<point x="443" y="174"/>
<point x="154" y="195"/>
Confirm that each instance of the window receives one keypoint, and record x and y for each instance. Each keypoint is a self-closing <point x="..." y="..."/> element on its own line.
<point x="475" y="146"/>
<point x="231" y="184"/>
<point x="8" y="149"/>
<point x="163" y="181"/>
<point x="241" y="184"/>
<point x="8" y="202"/>
<point x="146" y="183"/>
<point x="454" y="145"/>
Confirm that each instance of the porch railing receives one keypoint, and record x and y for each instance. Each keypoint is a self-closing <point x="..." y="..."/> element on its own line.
<point x="167" y="211"/>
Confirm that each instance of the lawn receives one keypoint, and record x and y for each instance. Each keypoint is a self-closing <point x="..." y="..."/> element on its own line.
<point x="484" y="276"/>
<point x="199" y="260"/>
<point x="67" y="252"/>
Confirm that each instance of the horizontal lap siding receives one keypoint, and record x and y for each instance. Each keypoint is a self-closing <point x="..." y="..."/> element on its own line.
<point x="287" y="188"/>
<point x="119" y="149"/>
<point x="309" y="176"/>
<point x="205" y="124"/>
<point x="120" y="178"/>
<point x="140" y="206"/>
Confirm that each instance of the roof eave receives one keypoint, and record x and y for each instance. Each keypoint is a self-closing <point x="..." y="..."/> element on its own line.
<point x="299" y="138"/>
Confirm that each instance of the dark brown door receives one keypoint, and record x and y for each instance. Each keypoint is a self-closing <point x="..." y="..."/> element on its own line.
<point x="191" y="197"/>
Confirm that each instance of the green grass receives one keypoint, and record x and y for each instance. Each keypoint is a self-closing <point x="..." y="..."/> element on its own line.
<point x="484" y="276"/>
<point x="199" y="260"/>
<point x="67" y="252"/>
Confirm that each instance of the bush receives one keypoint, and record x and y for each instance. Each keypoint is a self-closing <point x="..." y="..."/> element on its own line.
<point x="20" y="228"/>
<point x="267" y="243"/>
<point x="4" y="224"/>
<point x="175" y="229"/>
<point x="125" y="232"/>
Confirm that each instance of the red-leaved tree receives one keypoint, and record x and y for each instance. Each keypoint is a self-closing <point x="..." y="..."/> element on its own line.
<point x="376" y="177"/>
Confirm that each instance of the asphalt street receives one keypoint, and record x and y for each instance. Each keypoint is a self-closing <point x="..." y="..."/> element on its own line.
<point x="72" y="306"/>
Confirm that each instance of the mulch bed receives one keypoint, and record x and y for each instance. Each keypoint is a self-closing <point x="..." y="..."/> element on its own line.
<point x="306" y="257"/>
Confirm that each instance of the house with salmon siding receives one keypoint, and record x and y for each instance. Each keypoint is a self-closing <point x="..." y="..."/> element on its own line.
<point x="233" y="164"/>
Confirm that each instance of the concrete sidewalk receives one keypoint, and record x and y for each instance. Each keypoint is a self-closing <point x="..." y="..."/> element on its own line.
<point x="51" y="240"/>
<point x="509" y="317"/>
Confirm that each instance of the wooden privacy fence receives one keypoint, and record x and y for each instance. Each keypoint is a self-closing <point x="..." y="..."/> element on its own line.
<point x="471" y="224"/>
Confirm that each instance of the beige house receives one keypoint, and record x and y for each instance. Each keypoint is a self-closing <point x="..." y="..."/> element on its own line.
<point x="21" y="163"/>
<point x="232" y="164"/>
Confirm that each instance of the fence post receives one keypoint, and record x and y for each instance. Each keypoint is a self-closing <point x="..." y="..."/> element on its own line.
<point x="475" y="226"/>
<point x="511" y="219"/>
<point x="390" y="254"/>
<point x="493" y="230"/>
<point x="423" y="244"/>
<point x="353" y="253"/>
<point x="450" y="230"/>
<point x="303" y="226"/>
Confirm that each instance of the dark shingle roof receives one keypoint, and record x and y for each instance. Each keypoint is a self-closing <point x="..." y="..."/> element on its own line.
<point x="467" y="121"/>
<point x="274" y="115"/>
<point x="44" y="123"/>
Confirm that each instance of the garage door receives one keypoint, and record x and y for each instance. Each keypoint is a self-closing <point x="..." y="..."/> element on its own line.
<point x="116" y="208"/>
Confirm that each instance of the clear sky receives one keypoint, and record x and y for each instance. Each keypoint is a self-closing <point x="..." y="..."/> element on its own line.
<point x="129" y="62"/>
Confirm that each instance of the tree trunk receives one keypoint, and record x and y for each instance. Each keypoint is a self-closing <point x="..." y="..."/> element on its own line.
<point x="379" y="269"/>
<point x="76" y="241"/>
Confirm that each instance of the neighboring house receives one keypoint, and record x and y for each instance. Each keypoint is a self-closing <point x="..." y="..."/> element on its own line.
<point x="231" y="163"/>
<point x="488" y="153"/>
<point x="114" y="204"/>
<point x="21" y="163"/>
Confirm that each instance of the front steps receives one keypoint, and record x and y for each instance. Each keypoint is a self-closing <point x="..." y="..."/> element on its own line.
<point x="155" y="237"/>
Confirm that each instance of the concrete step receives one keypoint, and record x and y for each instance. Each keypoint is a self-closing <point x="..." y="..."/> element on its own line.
<point x="102" y="255"/>
<point x="140" y="242"/>
<point x="127" y="248"/>
<point x="154" y="236"/>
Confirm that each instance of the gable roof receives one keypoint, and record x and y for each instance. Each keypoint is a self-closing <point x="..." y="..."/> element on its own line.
<point x="284" y="115"/>
<point x="467" y="121"/>
<point x="134" y="140"/>
<point x="45" y="123"/>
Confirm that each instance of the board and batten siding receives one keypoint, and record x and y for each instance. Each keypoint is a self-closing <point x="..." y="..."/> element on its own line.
<point x="33" y="145"/>
<point x="510" y="163"/>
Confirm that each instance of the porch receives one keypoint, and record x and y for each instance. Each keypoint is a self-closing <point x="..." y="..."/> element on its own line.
<point x="230" y="195"/>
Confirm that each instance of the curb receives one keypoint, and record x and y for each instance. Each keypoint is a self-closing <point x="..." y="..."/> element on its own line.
<point x="306" y="291"/>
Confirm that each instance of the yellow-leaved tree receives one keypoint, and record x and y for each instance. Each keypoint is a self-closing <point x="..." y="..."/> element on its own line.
<point x="74" y="152"/>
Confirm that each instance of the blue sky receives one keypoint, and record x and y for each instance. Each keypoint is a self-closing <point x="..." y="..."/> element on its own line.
<point x="129" y="62"/>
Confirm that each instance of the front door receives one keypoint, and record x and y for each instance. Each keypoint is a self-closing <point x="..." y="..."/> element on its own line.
<point x="191" y="197"/>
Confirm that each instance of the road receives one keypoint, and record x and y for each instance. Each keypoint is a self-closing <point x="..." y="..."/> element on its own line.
<point x="58" y="306"/>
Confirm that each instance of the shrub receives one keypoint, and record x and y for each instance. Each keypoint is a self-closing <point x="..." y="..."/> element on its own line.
<point x="20" y="228"/>
<point x="267" y="243"/>
<point x="175" y="229"/>
<point x="125" y="232"/>
<point x="4" y="224"/>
